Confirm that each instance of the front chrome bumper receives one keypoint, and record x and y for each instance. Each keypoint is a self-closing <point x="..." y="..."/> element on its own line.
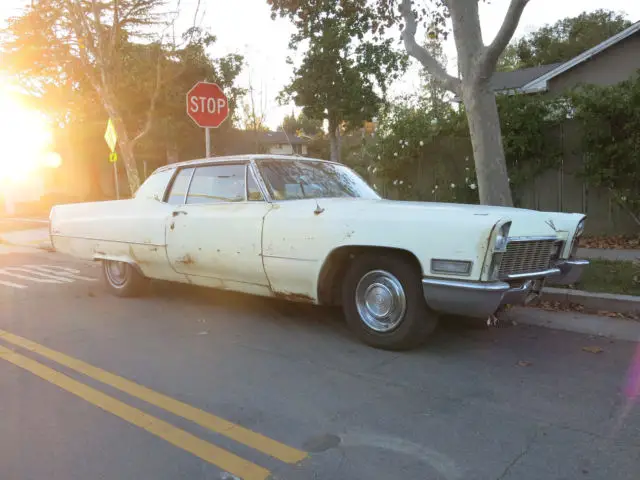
<point x="481" y="299"/>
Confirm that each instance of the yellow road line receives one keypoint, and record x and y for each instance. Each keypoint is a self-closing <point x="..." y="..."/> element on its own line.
<point x="181" y="439"/>
<point x="219" y="425"/>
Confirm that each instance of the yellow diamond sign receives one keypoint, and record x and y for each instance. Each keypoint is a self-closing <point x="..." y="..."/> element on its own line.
<point x="110" y="136"/>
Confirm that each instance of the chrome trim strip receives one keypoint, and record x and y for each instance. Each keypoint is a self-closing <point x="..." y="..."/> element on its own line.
<point x="260" y="181"/>
<point x="186" y="191"/>
<point x="464" y="285"/>
<point x="533" y="275"/>
<point x="110" y="241"/>
<point x="532" y="239"/>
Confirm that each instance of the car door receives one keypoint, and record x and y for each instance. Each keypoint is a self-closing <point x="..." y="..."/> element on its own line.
<point x="215" y="230"/>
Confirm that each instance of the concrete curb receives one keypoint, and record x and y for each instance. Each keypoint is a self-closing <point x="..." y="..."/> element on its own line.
<point x="593" y="301"/>
<point x="613" y="328"/>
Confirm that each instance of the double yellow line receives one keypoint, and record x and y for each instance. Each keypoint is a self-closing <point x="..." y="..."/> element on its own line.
<point x="206" y="451"/>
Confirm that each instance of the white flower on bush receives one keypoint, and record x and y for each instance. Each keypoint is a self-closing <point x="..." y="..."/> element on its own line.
<point x="472" y="186"/>
<point x="378" y="157"/>
<point x="436" y="187"/>
<point x="421" y="143"/>
<point x="401" y="182"/>
<point x="395" y="182"/>
<point x="375" y="169"/>
<point x="375" y="187"/>
<point x="395" y="154"/>
<point x="453" y="185"/>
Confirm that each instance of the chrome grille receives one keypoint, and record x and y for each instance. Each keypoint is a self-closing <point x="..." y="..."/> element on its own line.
<point x="526" y="256"/>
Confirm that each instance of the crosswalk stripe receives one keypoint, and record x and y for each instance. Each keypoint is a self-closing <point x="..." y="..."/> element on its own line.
<point x="55" y="274"/>
<point x="6" y="271"/>
<point x="33" y="271"/>
<point x="11" y="284"/>
<point x="62" y="271"/>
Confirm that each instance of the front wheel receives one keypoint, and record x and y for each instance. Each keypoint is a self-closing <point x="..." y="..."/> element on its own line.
<point x="123" y="279"/>
<point x="384" y="304"/>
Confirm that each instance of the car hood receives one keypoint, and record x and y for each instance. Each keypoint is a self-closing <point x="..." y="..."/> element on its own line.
<point x="525" y="223"/>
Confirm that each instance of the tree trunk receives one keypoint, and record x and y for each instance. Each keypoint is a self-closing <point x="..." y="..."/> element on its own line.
<point x="486" y="140"/>
<point x="126" y="151"/>
<point x="334" y="141"/>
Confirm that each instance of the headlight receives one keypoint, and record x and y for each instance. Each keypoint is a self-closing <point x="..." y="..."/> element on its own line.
<point x="502" y="238"/>
<point x="580" y="229"/>
<point x="576" y="238"/>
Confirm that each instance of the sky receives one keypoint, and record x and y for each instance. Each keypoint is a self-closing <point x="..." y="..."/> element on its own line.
<point x="245" y="27"/>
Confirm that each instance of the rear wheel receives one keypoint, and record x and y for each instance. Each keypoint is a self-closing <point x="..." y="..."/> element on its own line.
<point x="123" y="279"/>
<point x="384" y="304"/>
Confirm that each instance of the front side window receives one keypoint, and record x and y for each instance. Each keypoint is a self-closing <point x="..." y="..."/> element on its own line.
<point x="179" y="188"/>
<point x="299" y="179"/>
<point x="218" y="183"/>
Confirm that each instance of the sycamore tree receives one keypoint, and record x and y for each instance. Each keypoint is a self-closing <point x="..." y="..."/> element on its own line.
<point x="344" y="73"/>
<point x="476" y="60"/>
<point x="476" y="64"/>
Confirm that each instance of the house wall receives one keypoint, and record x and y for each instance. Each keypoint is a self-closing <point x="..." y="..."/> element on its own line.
<point x="614" y="65"/>
<point x="286" y="149"/>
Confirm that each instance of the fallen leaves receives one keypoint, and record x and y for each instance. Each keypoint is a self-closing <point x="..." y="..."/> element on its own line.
<point x="592" y="349"/>
<point x="622" y="242"/>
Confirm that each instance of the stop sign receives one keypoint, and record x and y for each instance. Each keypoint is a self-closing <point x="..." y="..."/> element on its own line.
<point x="207" y="105"/>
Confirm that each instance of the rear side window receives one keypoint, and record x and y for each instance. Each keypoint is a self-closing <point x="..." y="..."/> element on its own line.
<point x="179" y="188"/>
<point x="155" y="185"/>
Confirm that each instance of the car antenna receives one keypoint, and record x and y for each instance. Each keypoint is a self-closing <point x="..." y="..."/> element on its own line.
<point x="293" y="150"/>
<point x="318" y="209"/>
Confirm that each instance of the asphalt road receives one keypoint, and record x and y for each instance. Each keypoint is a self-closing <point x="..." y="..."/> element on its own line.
<point x="195" y="384"/>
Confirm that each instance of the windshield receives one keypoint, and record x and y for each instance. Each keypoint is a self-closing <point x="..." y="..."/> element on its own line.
<point x="299" y="179"/>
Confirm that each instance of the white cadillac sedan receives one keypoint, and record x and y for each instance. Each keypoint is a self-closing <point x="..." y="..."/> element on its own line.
<point x="313" y="231"/>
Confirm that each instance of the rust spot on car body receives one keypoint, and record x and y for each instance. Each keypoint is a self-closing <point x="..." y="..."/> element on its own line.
<point x="294" y="297"/>
<point x="187" y="260"/>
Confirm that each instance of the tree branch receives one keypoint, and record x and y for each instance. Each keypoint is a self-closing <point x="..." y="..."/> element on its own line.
<point x="489" y="58"/>
<point x="418" y="52"/>
<point x="154" y="100"/>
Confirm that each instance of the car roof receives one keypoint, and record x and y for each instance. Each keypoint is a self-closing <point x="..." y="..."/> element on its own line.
<point x="236" y="158"/>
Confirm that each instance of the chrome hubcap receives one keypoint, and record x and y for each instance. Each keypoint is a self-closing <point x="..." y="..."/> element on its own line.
<point x="116" y="272"/>
<point x="381" y="301"/>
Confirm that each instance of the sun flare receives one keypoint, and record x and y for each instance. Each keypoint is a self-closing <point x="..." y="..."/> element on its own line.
<point x="25" y="139"/>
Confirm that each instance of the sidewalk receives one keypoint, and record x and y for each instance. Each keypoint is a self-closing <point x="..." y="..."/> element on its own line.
<point x="35" y="238"/>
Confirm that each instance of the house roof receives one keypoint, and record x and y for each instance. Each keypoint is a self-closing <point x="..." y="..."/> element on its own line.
<point x="540" y="83"/>
<point x="280" y="137"/>
<point x="516" y="79"/>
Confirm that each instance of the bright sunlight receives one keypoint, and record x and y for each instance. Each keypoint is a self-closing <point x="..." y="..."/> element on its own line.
<point x="25" y="139"/>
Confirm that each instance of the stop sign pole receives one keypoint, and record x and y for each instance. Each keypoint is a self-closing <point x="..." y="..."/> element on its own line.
<point x="208" y="107"/>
